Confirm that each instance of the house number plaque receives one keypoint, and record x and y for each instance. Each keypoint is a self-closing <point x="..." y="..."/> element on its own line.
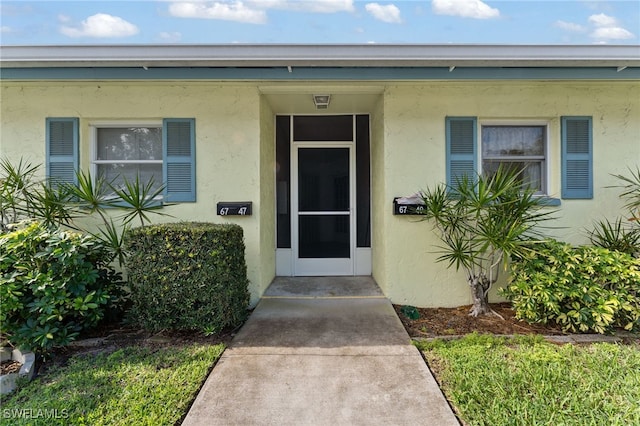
<point x="407" y="209"/>
<point x="241" y="208"/>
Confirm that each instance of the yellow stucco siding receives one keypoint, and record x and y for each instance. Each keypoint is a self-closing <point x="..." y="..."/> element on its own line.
<point x="379" y="203"/>
<point x="228" y="141"/>
<point x="414" y="157"/>
<point x="235" y="155"/>
<point x="267" y="257"/>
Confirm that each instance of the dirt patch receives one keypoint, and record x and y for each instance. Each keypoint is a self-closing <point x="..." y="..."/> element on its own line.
<point x="432" y="322"/>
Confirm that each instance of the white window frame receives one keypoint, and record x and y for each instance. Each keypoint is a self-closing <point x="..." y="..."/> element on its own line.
<point x="95" y="125"/>
<point x="519" y="123"/>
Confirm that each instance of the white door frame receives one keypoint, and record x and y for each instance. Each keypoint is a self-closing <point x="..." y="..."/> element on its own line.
<point x="328" y="266"/>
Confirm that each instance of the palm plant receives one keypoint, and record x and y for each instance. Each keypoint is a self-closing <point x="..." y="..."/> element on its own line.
<point x="17" y="185"/>
<point x="52" y="205"/>
<point x="631" y="192"/>
<point x="481" y="223"/>
<point x="140" y="199"/>
<point x="617" y="235"/>
<point x="23" y="196"/>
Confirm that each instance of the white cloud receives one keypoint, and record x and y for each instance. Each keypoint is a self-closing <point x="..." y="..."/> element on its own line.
<point x="100" y="25"/>
<point x="170" y="37"/>
<point x="15" y="10"/>
<point x="611" y="33"/>
<point x="64" y="19"/>
<point x="327" y="6"/>
<point x="253" y="11"/>
<point x="475" y="9"/>
<point x="569" y="26"/>
<point x="596" y="4"/>
<point x="602" y="20"/>
<point x="235" y="11"/>
<point x="388" y="13"/>
<point x="315" y="6"/>
<point x="607" y="28"/>
<point x="603" y="28"/>
<point x="5" y="29"/>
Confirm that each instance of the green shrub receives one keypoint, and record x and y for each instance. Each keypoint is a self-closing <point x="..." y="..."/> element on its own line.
<point x="580" y="288"/>
<point x="187" y="276"/>
<point x="54" y="284"/>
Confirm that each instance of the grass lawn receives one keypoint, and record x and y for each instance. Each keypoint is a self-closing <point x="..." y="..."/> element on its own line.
<point x="527" y="381"/>
<point x="132" y="386"/>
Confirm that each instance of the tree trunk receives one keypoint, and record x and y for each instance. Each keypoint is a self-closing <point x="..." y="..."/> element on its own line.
<point x="480" y="298"/>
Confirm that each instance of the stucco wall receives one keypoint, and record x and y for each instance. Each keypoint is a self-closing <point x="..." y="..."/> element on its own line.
<point x="414" y="157"/>
<point x="267" y="258"/>
<point x="228" y="141"/>
<point x="235" y="156"/>
<point x="379" y="204"/>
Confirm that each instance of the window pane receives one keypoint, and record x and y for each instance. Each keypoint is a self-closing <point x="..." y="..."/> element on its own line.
<point x="323" y="128"/>
<point x="530" y="171"/>
<point x="283" y="178"/>
<point x="116" y="173"/>
<point x="324" y="237"/>
<point x="323" y="179"/>
<point x="363" y="182"/>
<point x="500" y="141"/>
<point x="132" y="143"/>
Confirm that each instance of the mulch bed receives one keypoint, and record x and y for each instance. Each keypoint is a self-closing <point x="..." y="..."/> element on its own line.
<point x="433" y="322"/>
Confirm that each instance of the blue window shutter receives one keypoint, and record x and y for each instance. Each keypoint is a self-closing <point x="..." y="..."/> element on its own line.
<point x="577" y="157"/>
<point x="62" y="150"/>
<point x="179" y="167"/>
<point x="461" y="134"/>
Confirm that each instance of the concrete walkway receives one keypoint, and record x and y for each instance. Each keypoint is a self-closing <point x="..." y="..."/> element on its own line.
<point x="334" y="353"/>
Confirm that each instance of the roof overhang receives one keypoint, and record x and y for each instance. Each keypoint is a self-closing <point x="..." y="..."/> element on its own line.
<point x="321" y="55"/>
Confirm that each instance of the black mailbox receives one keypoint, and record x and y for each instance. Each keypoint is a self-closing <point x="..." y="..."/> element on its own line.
<point x="237" y="208"/>
<point x="407" y="209"/>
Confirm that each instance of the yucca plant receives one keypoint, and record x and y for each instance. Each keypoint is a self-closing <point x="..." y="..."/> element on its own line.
<point x="140" y="199"/>
<point x="90" y="194"/>
<point x="17" y="185"/>
<point x="631" y="193"/>
<point x="481" y="222"/>
<point x="623" y="234"/>
<point x="24" y="196"/>
<point x="616" y="236"/>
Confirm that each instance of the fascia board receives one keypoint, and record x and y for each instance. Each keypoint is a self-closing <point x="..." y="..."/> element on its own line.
<point x="294" y="55"/>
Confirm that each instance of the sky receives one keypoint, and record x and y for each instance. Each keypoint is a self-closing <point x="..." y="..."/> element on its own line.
<point x="52" y="22"/>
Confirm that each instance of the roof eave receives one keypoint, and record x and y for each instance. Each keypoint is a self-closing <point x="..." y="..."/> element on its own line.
<point x="298" y="55"/>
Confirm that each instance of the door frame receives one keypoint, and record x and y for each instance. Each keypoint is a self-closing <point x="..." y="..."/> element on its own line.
<point x="319" y="266"/>
<point x="284" y="257"/>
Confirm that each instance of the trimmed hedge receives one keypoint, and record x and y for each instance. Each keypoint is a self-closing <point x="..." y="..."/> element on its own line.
<point x="586" y="289"/>
<point x="187" y="276"/>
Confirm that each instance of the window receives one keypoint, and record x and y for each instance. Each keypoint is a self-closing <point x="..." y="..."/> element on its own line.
<point x="164" y="150"/>
<point x="517" y="148"/>
<point x="523" y="146"/>
<point x="124" y="152"/>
